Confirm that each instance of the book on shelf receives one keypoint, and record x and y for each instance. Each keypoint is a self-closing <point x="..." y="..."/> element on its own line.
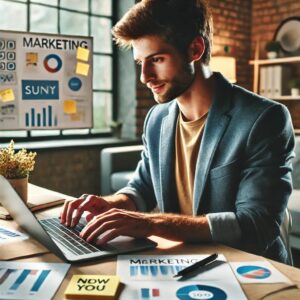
<point x="38" y="198"/>
<point x="274" y="81"/>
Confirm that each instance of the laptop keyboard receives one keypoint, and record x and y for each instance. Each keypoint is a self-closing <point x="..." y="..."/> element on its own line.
<point x="69" y="237"/>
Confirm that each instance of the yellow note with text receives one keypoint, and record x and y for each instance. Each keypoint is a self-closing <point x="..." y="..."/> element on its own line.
<point x="101" y="287"/>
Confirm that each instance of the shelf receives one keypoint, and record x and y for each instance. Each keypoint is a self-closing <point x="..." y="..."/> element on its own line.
<point x="280" y="60"/>
<point x="297" y="131"/>
<point x="284" y="98"/>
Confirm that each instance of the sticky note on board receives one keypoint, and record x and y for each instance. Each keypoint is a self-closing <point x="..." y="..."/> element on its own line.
<point x="92" y="287"/>
<point x="82" y="68"/>
<point x="31" y="58"/>
<point x="83" y="54"/>
<point x="76" y="117"/>
<point x="70" y="107"/>
<point x="7" y="95"/>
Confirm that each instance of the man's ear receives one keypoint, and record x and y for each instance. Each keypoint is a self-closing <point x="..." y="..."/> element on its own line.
<point x="196" y="49"/>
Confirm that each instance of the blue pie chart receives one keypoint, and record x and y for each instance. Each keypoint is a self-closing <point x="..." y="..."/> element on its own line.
<point x="200" y="292"/>
<point x="254" y="272"/>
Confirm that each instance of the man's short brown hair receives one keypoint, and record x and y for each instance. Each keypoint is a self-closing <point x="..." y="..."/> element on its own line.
<point x="177" y="21"/>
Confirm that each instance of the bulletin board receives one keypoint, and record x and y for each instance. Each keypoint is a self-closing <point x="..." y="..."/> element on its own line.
<point x="45" y="81"/>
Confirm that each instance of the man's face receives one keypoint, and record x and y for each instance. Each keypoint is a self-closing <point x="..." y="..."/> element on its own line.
<point x="163" y="68"/>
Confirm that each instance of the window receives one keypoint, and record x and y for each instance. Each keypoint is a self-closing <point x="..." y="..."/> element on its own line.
<point x="72" y="17"/>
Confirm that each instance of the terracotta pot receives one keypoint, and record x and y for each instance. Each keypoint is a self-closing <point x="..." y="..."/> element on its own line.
<point x="20" y="185"/>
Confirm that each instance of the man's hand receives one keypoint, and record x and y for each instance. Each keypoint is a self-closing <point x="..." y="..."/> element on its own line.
<point x="116" y="222"/>
<point x="73" y="209"/>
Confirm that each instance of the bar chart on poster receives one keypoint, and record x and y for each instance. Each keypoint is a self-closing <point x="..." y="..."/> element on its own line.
<point x="45" y="81"/>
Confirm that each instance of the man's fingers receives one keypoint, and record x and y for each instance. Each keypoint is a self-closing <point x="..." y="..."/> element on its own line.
<point x="83" y="206"/>
<point x="64" y="214"/>
<point x="112" y="234"/>
<point x="97" y="231"/>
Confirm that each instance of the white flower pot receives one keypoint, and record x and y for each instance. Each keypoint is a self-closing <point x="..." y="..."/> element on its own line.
<point x="271" y="54"/>
<point x="295" y="92"/>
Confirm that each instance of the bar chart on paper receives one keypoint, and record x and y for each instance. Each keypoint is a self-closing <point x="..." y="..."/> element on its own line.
<point x="41" y="117"/>
<point x="30" y="280"/>
<point x="155" y="271"/>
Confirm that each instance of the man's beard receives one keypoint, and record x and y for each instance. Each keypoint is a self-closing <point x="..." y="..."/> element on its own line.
<point x="178" y="85"/>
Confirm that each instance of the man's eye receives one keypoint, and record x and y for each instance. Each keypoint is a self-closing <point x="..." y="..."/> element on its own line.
<point x="157" y="59"/>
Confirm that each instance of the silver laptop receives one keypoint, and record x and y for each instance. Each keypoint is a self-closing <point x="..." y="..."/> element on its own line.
<point x="59" y="239"/>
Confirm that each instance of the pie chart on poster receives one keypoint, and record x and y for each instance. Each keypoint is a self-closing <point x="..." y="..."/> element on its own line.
<point x="200" y="292"/>
<point x="254" y="272"/>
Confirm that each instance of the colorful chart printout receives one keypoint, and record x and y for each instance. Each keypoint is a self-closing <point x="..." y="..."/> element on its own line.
<point x="10" y="235"/>
<point x="257" y="272"/>
<point x="150" y="277"/>
<point x="32" y="281"/>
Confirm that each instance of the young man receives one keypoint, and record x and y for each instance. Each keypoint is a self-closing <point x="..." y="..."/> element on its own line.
<point x="216" y="159"/>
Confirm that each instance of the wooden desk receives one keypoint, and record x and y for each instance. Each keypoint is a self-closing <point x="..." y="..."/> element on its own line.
<point x="108" y="266"/>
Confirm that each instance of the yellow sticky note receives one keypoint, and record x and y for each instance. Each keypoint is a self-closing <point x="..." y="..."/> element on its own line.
<point x="93" y="287"/>
<point x="76" y="117"/>
<point x="82" y="68"/>
<point x="7" y="95"/>
<point x="70" y="106"/>
<point x="82" y="53"/>
<point x="31" y="58"/>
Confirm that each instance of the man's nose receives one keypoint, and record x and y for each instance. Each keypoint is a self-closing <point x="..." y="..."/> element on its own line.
<point x="147" y="73"/>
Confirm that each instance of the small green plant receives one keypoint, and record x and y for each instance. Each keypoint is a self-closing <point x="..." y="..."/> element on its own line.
<point x="273" y="46"/>
<point x="294" y="83"/>
<point x="15" y="165"/>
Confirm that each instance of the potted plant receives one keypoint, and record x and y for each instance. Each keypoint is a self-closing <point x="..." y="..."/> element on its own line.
<point x="273" y="48"/>
<point x="294" y="85"/>
<point x="16" y="166"/>
<point x="116" y="128"/>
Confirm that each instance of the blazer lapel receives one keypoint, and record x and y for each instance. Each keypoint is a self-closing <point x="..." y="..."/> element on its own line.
<point x="166" y="159"/>
<point x="216" y="124"/>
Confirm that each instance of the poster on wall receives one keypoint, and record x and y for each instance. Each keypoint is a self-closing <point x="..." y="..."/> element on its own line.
<point x="45" y="81"/>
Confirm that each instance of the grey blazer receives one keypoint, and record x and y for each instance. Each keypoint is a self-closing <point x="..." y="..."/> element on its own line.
<point x="243" y="167"/>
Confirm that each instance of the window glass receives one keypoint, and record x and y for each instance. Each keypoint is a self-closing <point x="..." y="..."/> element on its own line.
<point x="102" y="7"/>
<point x="13" y="11"/>
<point x="82" y="5"/>
<point x="12" y="134"/>
<point x="44" y="132"/>
<point x="102" y="111"/>
<point x="47" y="2"/>
<point x="39" y="14"/>
<point x="73" y="23"/>
<point x="102" y="36"/>
<point x="75" y="131"/>
<point x="102" y="73"/>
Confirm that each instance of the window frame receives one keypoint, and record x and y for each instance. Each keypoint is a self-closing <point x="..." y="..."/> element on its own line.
<point x="113" y="91"/>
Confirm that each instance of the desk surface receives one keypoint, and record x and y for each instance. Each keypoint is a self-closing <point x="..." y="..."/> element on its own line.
<point x="34" y="252"/>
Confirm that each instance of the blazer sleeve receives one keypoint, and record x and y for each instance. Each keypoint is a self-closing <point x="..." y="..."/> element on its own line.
<point x="140" y="187"/>
<point x="265" y="183"/>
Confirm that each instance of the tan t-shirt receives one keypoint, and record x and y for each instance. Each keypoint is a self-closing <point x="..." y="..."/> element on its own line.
<point x="187" y="143"/>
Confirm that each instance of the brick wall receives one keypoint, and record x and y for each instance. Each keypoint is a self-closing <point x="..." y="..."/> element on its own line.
<point x="232" y="27"/>
<point x="266" y="17"/>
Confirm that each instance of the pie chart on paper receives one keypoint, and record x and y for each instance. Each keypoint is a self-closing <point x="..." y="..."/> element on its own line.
<point x="254" y="272"/>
